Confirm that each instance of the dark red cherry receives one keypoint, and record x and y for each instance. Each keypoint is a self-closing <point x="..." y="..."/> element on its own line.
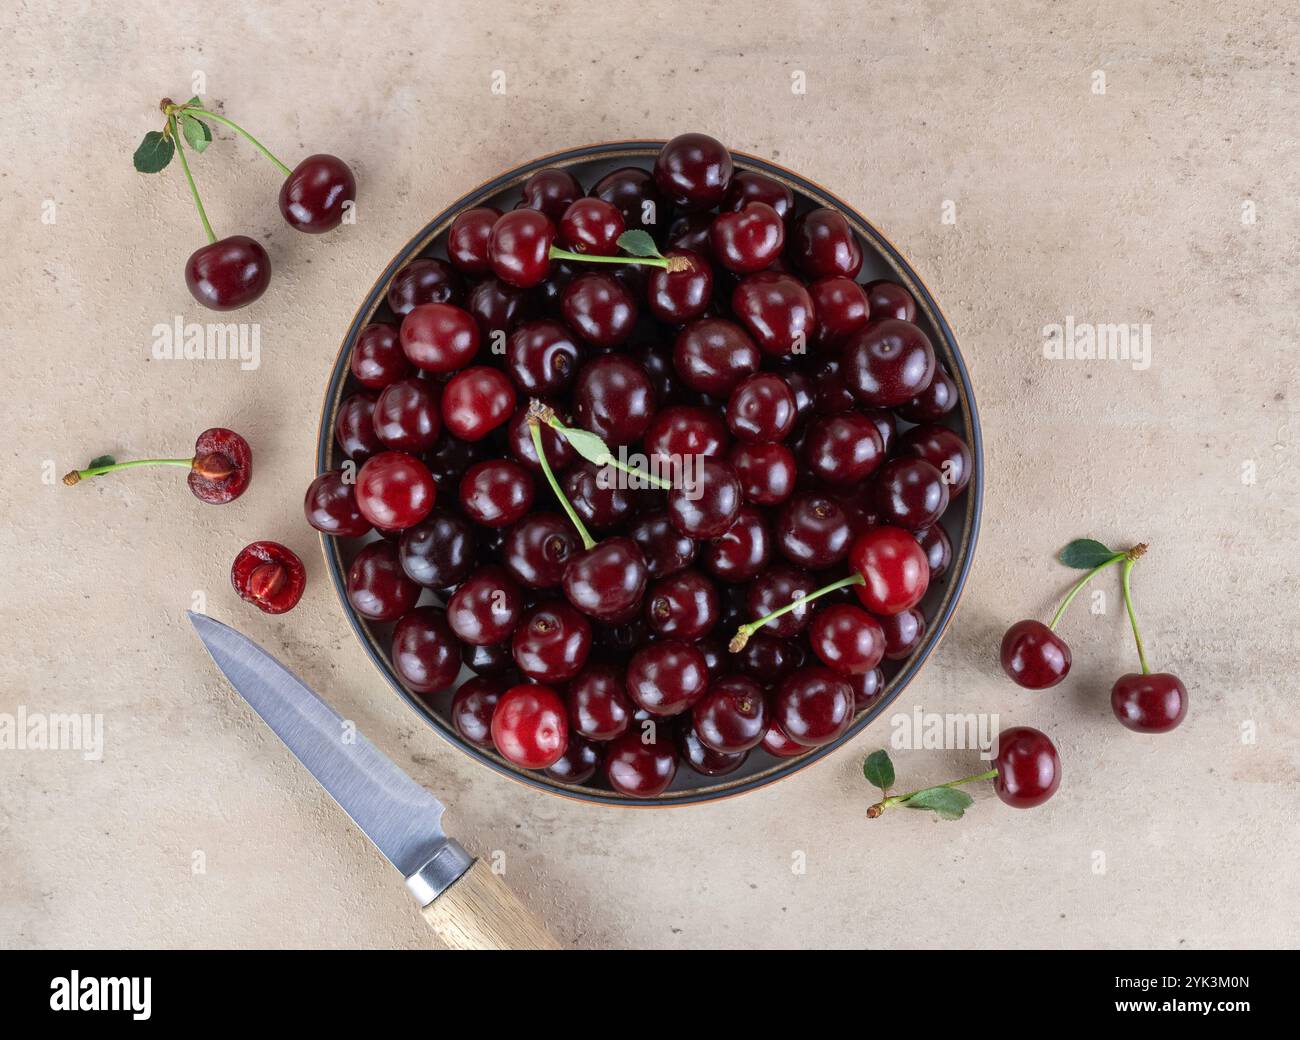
<point x="747" y="186"/>
<point x="844" y="448"/>
<point x="943" y="450"/>
<point x="551" y="192"/>
<point x="712" y="355"/>
<point x="903" y="633"/>
<point x="932" y="403"/>
<point x="703" y="759"/>
<point x="690" y="231"/>
<point x="1152" y="703"/>
<point x="314" y="197"/>
<point x="591" y="226"/>
<point x="229" y="273"/>
<point x="682" y="606"/>
<point x="492" y="661"/>
<point x="552" y="642"/>
<point x="742" y="550"/>
<point x="1029" y="769"/>
<point x="579" y="762"/>
<point x="676" y="297"/>
<point x="331" y="506"/>
<point x="599" y="309"/>
<point x="542" y="358"/>
<point x="633" y="192"/>
<point x="762" y="408"/>
<point x="476" y="401"/>
<point x="822" y="244"/>
<point x="641" y="765"/>
<point x="608" y="580"/>
<point x="841" y="308"/>
<point x="377" y="587"/>
<point x="705" y="502"/>
<point x="439" y="551"/>
<point x="377" y="357"/>
<point x="938" y="550"/>
<point x="867" y="686"/>
<point x="777" y="743"/>
<point x="425" y="654"/>
<point x="438" y="337"/>
<point x="731" y="717"/>
<point x="887" y="363"/>
<point x="747" y="240"/>
<point x="498" y="308"/>
<point x="485" y="609"/>
<point x="519" y="439"/>
<point x="467" y="240"/>
<point x="613" y="399"/>
<point x="269" y="576"/>
<point x="450" y="457"/>
<point x="665" y="549"/>
<point x="472" y="707"/>
<point x="777" y="311"/>
<point x="767" y="472"/>
<point x="776" y="587"/>
<point x="667" y="677"/>
<point x="520" y="247"/>
<point x="394" y="490"/>
<point x="813" y="706"/>
<point x="889" y="300"/>
<point x="895" y="570"/>
<point x="538" y="548"/>
<point x="694" y="171"/>
<point x="407" y="417"/>
<point x="812" y="531"/>
<point x="354" y="428"/>
<point x="910" y="493"/>
<point x="424" y="281"/>
<point x="597" y="494"/>
<point x="221" y="467"/>
<point x="886" y="425"/>
<point x="496" y="493"/>
<point x="831" y="393"/>
<point x="769" y="658"/>
<point x="679" y="431"/>
<point x="1034" y="656"/>
<point x="529" y="727"/>
<point x="599" y="708"/>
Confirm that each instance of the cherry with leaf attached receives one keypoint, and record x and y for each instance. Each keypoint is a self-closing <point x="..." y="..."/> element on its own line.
<point x="219" y="469"/>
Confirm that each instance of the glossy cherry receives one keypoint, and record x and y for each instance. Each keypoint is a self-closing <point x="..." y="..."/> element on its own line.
<point x="889" y="300"/>
<point x="425" y="653"/>
<point x="847" y="639"/>
<point x="713" y="355"/>
<point x="407" y="417"/>
<point x="269" y="576"/>
<point x="529" y="727"/>
<point x="377" y="587"/>
<point x="774" y="588"/>
<point x="666" y="677"/>
<point x="599" y="309"/>
<point x="841" y="308"/>
<point x="439" y="551"/>
<point x="596" y="494"/>
<point x="822" y="244"/>
<point x="424" y="281"/>
<point x="394" y="490"/>
<point x="903" y="633"/>
<point x="894" y="569"/>
<point x="680" y="431"/>
<point x="867" y="686"/>
<point x="592" y="226"/>
<point x="498" y="307"/>
<point x="551" y="191"/>
<point x="812" y="530"/>
<point x="634" y="193"/>
<point x="476" y="401"/>
<point x="887" y="363"/>
<point x="542" y="358"/>
<point x="472" y="707"/>
<point x="613" y="399"/>
<point x="694" y="171"/>
<point x="942" y="449"/>
<point x="910" y="493"/>
<point x="1034" y="656"/>
<point x="552" y="642"/>
<point x="598" y="705"/>
<point x="520" y="246"/>
<point x="467" y="240"/>
<point x="813" y="706"/>
<point x="228" y="273"/>
<point x="704" y="504"/>
<point x="777" y="743"/>
<point x="579" y="763"/>
<point x="538" y="548"/>
<point x="761" y="408"/>
<point x="747" y="186"/>
<point x="314" y="197"/>
<point x="843" y="449"/>
<point x="682" y="606"/>
<point x="331" y="506"/>
<point x="608" y="580"/>
<point x="665" y="549"/>
<point x="777" y="311"/>
<point x="742" y="550"/>
<point x="747" y="240"/>
<point x="938" y="550"/>
<point x="676" y="297"/>
<point x="731" y="716"/>
<point x="486" y="607"/>
<point x="641" y="765"/>
<point x="354" y="428"/>
<point x="1152" y="703"/>
<point x="932" y="403"/>
<point x="1029" y="769"/>
<point x="702" y="758"/>
<point x="769" y="658"/>
<point x="496" y="493"/>
<point x="439" y="337"/>
<point x="377" y="358"/>
<point x="767" y="472"/>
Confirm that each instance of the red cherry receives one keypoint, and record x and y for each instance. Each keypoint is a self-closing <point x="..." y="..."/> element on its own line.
<point x="467" y="240"/>
<point x="221" y="468"/>
<point x="1034" y="656"/>
<point x="377" y="359"/>
<point x="747" y="240"/>
<point x="395" y="490"/>
<point x="377" y="587"/>
<point x="476" y="401"/>
<point x="895" y="570"/>
<point x="313" y="198"/>
<point x="269" y="576"/>
<point x="331" y="507"/>
<point x="732" y="715"/>
<point x="641" y="764"/>
<point x="520" y="247"/>
<point x="228" y="273"/>
<point x="425" y="654"/>
<point x="592" y="226"/>
<point x="529" y="727"/>
<point x="472" y="708"/>
<point x="813" y="706"/>
<point x="1029" y="770"/>
<point x="1151" y="703"/>
<point x="777" y="743"/>
<point x="438" y="337"/>
<point x="847" y="639"/>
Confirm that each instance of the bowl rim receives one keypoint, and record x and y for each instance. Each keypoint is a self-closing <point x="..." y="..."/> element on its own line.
<point x="963" y="555"/>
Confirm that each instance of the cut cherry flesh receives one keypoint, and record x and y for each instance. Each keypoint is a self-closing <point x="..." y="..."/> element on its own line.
<point x="222" y="466"/>
<point x="269" y="576"/>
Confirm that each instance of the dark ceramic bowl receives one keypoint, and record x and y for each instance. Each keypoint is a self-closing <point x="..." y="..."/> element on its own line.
<point x="881" y="260"/>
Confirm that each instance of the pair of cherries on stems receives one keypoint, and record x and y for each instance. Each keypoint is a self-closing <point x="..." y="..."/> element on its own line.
<point x="1037" y="658"/>
<point x="232" y="272"/>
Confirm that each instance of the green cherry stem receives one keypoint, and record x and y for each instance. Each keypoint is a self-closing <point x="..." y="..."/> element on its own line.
<point x="899" y="799"/>
<point x="185" y="165"/>
<point x="239" y="130"/>
<point x="746" y="630"/>
<point x="668" y="263"/>
<point x="1078" y="586"/>
<point x="1132" y="615"/>
<point x="78" y="475"/>
<point x="535" y="431"/>
<point x="601" y="457"/>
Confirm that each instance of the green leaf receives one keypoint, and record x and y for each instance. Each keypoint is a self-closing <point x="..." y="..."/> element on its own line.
<point x="154" y="153"/>
<point x="102" y="460"/>
<point x="194" y="102"/>
<point x="586" y="444"/>
<point x="638" y="243"/>
<point x="948" y="802"/>
<point x="879" y="770"/>
<point x="197" y="132"/>
<point x="1086" y="553"/>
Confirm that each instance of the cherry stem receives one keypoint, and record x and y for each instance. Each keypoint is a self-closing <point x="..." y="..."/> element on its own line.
<point x="239" y="130"/>
<point x="746" y="630"/>
<point x="194" y="190"/>
<point x="535" y="431"/>
<point x="668" y="263"/>
<point x="78" y="475"/>
<point x="899" y="799"/>
<point x="606" y="458"/>
<point x="1132" y="615"/>
<point x="1078" y="587"/>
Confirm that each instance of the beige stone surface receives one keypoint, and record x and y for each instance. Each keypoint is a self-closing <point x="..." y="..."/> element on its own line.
<point x="1117" y="207"/>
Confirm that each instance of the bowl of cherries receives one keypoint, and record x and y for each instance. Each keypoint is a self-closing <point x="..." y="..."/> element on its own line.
<point x="648" y="472"/>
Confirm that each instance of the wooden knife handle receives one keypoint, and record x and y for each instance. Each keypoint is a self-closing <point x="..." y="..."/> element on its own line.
<point x="478" y="912"/>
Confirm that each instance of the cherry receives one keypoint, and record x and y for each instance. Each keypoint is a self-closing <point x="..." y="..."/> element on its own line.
<point x="394" y="490"/>
<point x="777" y="587"/>
<point x="664" y="549"/>
<point x="703" y="759"/>
<point x="910" y="493"/>
<point x="579" y="762"/>
<point x="450" y="457"/>
<point x="667" y="677"/>
<point x="354" y="428"/>
<point x="830" y="389"/>
<point x="822" y="244"/>
<point x="613" y="398"/>
<point x="887" y="363"/>
<point x="843" y="449"/>
<point x="269" y="576"/>
<point x="493" y="661"/>
<point x="439" y="551"/>
<point x="690" y="231"/>
<point x="867" y="686"/>
<point x="777" y="311"/>
<point x="331" y="506"/>
<point x="496" y="493"/>
<point x="886" y="425"/>
<point x="377" y="359"/>
<point x="476" y="401"/>
<point x="633" y="192"/>
<point x="529" y="727"/>
<point x="542" y="358"/>
<point x="467" y="240"/>
<point x="228" y="273"/>
<point x="1155" y="702"/>
<point x="841" y="308"/>
<point x="932" y="403"/>
<point x="706" y="502"/>
<point x="943" y="450"/>
<point x="592" y="226"/>
<point x="813" y="706"/>
<point x="769" y="658"/>
<point x="938" y="550"/>
<point x="598" y="705"/>
<point x="596" y="496"/>
<point x="498" y="307"/>
<point x="712" y="355"/>
<point x="425" y="654"/>
<point x="552" y="642"/>
<point x="777" y="743"/>
<point x="761" y="408"/>
<point x="551" y="191"/>
<point x="559" y="453"/>
<point x="520" y="247"/>
<point x="314" y="197"/>
<point x="1034" y="656"/>
<point x="424" y="281"/>
<point x="485" y="609"/>
<point x="407" y="417"/>
<point x="599" y="309"/>
<point x="894" y="570"/>
<point x="377" y="587"/>
<point x="731" y="717"/>
<point x="890" y="300"/>
<point x="747" y="240"/>
<point x="812" y="530"/>
<point x="676" y="297"/>
<point x="472" y="707"/>
<point x="767" y="472"/>
<point x="742" y="550"/>
<point x="694" y="171"/>
<point x="847" y="639"/>
<point x="438" y="337"/>
<point x="747" y="186"/>
<point x="903" y="633"/>
<point x="640" y="767"/>
<point x="682" y="606"/>
<point x="681" y="431"/>
<point x="538" y="548"/>
<point x="607" y="580"/>
<point x="1029" y="769"/>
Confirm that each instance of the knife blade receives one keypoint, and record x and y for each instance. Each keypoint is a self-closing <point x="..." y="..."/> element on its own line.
<point x="401" y="819"/>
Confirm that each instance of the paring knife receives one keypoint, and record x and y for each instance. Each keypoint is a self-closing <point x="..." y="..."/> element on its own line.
<point x="464" y="902"/>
